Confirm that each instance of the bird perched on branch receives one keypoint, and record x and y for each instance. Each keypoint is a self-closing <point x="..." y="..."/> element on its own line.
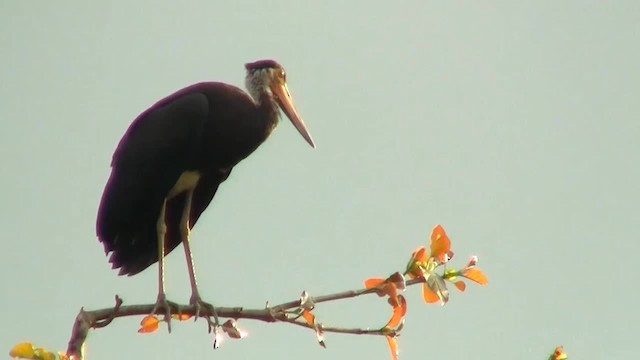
<point x="171" y="161"/>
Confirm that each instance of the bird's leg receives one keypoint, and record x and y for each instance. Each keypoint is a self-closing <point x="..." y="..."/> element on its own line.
<point x="185" y="230"/>
<point x="161" y="301"/>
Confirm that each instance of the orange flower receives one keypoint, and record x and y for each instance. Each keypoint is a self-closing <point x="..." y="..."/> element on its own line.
<point x="423" y="262"/>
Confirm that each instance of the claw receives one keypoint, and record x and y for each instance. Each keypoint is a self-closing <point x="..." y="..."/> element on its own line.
<point x="199" y="304"/>
<point x="168" y="306"/>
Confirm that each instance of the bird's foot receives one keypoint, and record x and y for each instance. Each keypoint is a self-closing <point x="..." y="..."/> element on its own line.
<point x="200" y="305"/>
<point x="168" y="306"/>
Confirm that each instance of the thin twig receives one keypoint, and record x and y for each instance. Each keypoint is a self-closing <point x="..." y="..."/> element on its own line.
<point x="334" y="329"/>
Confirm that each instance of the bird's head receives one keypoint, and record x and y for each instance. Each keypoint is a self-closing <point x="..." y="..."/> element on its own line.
<point x="267" y="77"/>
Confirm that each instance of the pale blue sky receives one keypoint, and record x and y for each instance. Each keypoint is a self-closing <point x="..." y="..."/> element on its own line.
<point x="514" y="124"/>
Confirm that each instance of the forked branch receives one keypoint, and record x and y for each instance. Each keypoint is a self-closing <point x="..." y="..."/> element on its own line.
<point x="285" y="312"/>
<point x="422" y="268"/>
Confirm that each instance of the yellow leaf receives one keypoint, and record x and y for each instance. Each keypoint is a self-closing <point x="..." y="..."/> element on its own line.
<point x="22" y="350"/>
<point x="393" y="346"/>
<point x="148" y="324"/>
<point x="45" y="355"/>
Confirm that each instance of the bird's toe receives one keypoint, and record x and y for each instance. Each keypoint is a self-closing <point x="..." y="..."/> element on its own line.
<point x="209" y="310"/>
<point x="165" y="307"/>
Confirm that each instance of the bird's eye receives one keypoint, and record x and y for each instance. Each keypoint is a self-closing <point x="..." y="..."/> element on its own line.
<point x="283" y="75"/>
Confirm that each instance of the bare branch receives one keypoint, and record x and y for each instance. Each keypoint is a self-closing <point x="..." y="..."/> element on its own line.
<point x="86" y="320"/>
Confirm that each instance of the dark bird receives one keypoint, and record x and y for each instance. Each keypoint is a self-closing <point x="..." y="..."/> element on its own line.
<point x="172" y="159"/>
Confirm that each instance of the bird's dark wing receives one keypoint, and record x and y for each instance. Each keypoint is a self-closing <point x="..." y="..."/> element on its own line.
<point x="204" y="193"/>
<point x="153" y="153"/>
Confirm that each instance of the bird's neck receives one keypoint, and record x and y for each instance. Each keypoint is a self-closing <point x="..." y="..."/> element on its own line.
<point x="268" y="107"/>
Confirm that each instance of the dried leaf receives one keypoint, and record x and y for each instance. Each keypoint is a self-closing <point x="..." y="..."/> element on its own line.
<point x="393" y="346"/>
<point x="218" y="337"/>
<point x="22" y="350"/>
<point x="399" y="311"/>
<point x="148" y="324"/>
<point x="306" y="302"/>
<point x="473" y="261"/>
<point x="475" y="274"/>
<point x="435" y="284"/>
<point x="230" y="327"/>
<point x="320" y="335"/>
<point x="449" y="256"/>
<point x="398" y="280"/>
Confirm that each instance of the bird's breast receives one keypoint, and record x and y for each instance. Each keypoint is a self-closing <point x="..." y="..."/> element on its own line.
<point x="187" y="181"/>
